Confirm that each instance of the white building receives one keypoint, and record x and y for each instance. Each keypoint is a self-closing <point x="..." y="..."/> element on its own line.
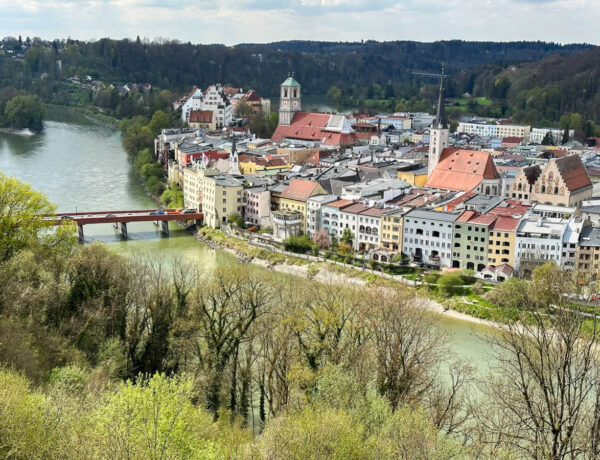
<point x="539" y="240"/>
<point x="427" y="236"/>
<point x="378" y="186"/>
<point x="399" y="122"/>
<point x="314" y="206"/>
<point x="570" y="242"/>
<point x="493" y="129"/>
<point x="213" y="99"/>
<point x="192" y="187"/>
<point x="331" y="219"/>
<point x="538" y="135"/>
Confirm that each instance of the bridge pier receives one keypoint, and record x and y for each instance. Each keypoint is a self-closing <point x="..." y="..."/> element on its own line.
<point x="163" y="226"/>
<point x="80" y="232"/>
<point x="122" y="227"/>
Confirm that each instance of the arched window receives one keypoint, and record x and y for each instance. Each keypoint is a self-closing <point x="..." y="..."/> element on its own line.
<point x="556" y="190"/>
<point x="543" y="189"/>
<point x="520" y="186"/>
<point x="487" y="190"/>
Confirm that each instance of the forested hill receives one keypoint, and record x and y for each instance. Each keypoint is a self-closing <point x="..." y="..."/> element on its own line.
<point x="545" y="89"/>
<point x="318" y="65"/>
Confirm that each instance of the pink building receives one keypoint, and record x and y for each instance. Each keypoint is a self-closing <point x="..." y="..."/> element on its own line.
<point x="257" y="209"/>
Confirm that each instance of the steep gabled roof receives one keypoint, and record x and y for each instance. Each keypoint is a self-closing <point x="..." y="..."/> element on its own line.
<point x="573" y="172"/>
<point x="462" y="170"/>
<point x="299" y="189"/>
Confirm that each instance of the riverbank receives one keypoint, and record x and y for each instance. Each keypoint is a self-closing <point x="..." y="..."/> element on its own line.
<point x="324" y="272"/>
<point x="87" y="111"/>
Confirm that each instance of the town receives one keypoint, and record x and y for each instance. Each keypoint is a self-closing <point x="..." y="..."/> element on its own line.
<point x="494" y="197"/>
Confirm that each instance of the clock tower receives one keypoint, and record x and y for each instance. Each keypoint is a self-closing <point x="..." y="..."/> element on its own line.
<point x="290" y="101"/>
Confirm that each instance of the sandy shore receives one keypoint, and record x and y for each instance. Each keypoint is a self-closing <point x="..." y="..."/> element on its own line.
<point x="326" y="276"/>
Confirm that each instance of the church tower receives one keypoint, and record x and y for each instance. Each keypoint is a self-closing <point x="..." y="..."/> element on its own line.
<point x="439" y="132"/>
<point x="290" y="101"/>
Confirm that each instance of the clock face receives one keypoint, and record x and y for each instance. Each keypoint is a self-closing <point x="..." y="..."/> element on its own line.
<point x="285" y="103"/>
<point x="295" y="103"/>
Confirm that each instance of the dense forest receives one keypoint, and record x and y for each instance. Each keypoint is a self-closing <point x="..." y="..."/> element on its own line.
<point x="26" y="63"/>
<point x="545" y="89"/>
<point x="104" y="356"/>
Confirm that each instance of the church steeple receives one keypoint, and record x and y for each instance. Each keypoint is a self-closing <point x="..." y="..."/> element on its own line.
<point x="440" y="119"/>
<point x="290" y="100"/>
<point x="439" y="132"/>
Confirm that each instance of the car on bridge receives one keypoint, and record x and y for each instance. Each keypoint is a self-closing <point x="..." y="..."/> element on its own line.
<point x="66" y="217"/>
<point x="160" y="212"/>
<point x="189" y="211"/>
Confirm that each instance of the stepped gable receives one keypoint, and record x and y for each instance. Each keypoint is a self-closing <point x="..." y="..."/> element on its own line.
<point x="573" y="172"/>
<point x="462" y="170"/>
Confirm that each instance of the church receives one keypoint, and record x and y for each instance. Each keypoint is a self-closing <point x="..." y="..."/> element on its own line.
<point x="457" y="169"/>
<point x="313" y="128"/>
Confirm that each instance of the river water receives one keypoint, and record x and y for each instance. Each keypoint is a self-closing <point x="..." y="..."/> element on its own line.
<point x="80" y="165"/>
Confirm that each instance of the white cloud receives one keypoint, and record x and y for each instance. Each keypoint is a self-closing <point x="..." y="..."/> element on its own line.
<point x="237" y="21"/>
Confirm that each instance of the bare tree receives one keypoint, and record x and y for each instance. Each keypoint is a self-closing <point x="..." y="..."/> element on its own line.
<point x="408" y="348"/>
<point x="224" y="307"/>
<point x="543" y="396"/>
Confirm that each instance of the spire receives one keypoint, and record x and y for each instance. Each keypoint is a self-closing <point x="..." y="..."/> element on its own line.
<point x="440" y="119"/>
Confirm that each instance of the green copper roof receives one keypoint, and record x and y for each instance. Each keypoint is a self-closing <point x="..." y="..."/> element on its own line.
<point x="290" y="81"/>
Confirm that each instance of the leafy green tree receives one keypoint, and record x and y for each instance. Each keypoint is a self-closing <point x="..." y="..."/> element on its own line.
<point x="25" y="112"/>
<point x="21" y="216"/>
<point x="565" y="136"/>
<point x="347" y="237"/>
<point x="154" y="418"/>
<point x="548" y="139"/>
<point x="172" y="197"/>
<point x="159" y="121"/>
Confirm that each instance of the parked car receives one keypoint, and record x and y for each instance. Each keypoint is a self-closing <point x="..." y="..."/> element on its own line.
<point x="189" y="211"/>
<point x="159" y="212"/>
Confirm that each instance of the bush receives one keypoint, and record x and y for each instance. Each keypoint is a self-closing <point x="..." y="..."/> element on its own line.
<point x="450" y="284"/>
<point x="315" y="251"/>
<point x="236" y="220"/>
<point x="477" y="288"/>
<point x="299" y="244"/>
<point x="431" y="278"/>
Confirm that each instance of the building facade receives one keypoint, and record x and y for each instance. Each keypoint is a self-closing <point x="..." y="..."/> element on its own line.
<point x="257" y="207"/>
<point x="314" y="206"/>
<point x="222" y="196"/>
<point x="427" y="236"/>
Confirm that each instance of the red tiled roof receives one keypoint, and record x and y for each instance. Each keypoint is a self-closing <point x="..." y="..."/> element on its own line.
<point x="201" y="116"/>
<point x="462" y="170"/>
<point x="573" y="173"/>
<point x="466" y="216"/>
<point x="373" y="212"/>
<point x="513" y="208"/>
<point x="339" y="203"/>
<point x="309" y="126"/>
<point x="252" y="96"/>
<point x="505" y="224"/>
<point x="299" y="189"/>
<point x="356" y="208"/>
<point x="450" y="205"/>
<point x="512" y="140"/>
<point x="231" y="91"/>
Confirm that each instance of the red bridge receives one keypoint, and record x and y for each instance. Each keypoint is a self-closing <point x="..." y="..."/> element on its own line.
<point x="120" y="219"/>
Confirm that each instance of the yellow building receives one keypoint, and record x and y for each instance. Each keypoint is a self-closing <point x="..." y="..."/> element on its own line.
<point x="222" y="196"/>
<point x="501" y="244"/>
<point x="509" y="130"/>
<point x="416" y="177"/>
<point x="391" y="230"/>
<point x="295" y="195"/>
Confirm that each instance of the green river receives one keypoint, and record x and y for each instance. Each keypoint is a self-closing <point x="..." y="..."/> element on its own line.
<point x="80" y="165"/>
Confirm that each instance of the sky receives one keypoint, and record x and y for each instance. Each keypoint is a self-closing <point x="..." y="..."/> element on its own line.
<point x="259" y="21"/>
